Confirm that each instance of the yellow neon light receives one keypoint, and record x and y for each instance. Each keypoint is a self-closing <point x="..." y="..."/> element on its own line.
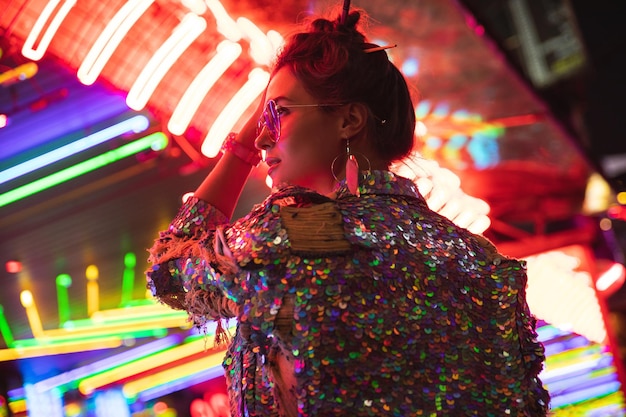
<point x="27" y="300"/>
<point x="22" y="72"/>
<point x="18" y="406"/>
<point x="131" y="314"/>
<point x="93" y="290"/>
<point x="225" y="121"/>
<point x="110" y="38"/>
<point x="226" y="53"/>
<point x="190" y="27"/>
<point x="120" y="327"/>
<point x="36" y="53"/>
<point x="59" y="348"/>
<point x="133" y="388"/>
<point x="89" y="385"/>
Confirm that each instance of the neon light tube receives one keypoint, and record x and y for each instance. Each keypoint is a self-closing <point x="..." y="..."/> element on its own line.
<point x="579" y="396"/>
<point x="58" y="348"/>
<point x="88" y="385"/>
<point x="5" y="329"/>
<point x="107" y="363"/>
<point x="36" y="53"/>
<point x="227" y="53"/>
<point x="131" y="314"/>
<point x="225" y="24"/>
<point x="586" y="364"/>
<point x="110" y="38"/>
<point x="134" y="317"/>
<point x="18" y="406"/>
<point x="34" y="320"/>
<point x="261" y="49"/>
<point x="163" y="59"/>
<point x="182" y="383"/>
<point x="63" y="282"/>
<point x="155" y="141"/>
<point x="573" y="355"/>
<point x="614" y="274"/>
<point x="128" y="277"/>
<point x="19" y="73"/>
<point x="63" y="340"/>
<point x="251" y="90"/>
<point x="135" y="124"/>
<point x="275" y="39"/>
<point x="120" y="327"/>
<point x="184" y="371"/>
<point x="582" y="381"/>
<point x="93" y="290"/>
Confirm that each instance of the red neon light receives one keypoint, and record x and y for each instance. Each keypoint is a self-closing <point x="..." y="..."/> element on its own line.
<point x="13" y="267"/>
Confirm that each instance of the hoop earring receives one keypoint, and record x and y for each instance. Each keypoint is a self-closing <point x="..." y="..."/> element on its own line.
<point x="352" y="170"/>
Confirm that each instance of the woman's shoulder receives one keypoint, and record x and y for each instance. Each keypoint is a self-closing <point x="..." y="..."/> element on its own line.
<point x="265" y="234"/>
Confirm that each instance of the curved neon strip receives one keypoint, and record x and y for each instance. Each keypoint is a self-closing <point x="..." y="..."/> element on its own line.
<point x="110" y="38"/>
<point x="257" y="80"/>
<point x="28" y="49"/>
<point x="227" y="53"/>
<point x="225" y="24"/>
<point x="163" y="59"/>
<point x="261" y="49"/>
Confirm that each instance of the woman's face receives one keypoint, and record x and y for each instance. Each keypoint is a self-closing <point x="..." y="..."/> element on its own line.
<point x="309" y="137"/>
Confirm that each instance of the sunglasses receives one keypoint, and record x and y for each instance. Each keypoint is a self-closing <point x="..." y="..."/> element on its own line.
<point x="270" y="118"/>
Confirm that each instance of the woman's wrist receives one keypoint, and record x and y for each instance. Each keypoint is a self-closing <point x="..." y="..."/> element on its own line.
<point x="248" y="155"/>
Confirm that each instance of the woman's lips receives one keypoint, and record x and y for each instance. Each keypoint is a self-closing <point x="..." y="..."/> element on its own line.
<point x="272" y="163"/>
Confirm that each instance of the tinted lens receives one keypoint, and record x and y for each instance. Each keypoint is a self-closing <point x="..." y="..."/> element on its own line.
<point x="272" y="119"/>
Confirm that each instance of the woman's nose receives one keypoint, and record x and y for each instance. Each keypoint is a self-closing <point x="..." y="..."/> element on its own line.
<point x="263" y="141"/>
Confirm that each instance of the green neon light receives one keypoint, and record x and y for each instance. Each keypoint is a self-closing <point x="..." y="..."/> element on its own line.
<point x="156" y="141"/>
<point x="128" y="278"/>
<point x="51" y="342"/>
<point x="5" y="329"/>
<point x="120" y="321"/>
<point x="64" y="281"/>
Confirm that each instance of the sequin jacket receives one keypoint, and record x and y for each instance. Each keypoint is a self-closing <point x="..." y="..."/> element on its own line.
<point x="388" y="309"/>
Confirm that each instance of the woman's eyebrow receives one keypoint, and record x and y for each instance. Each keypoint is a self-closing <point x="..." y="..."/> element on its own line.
<point x="283" y="99"/>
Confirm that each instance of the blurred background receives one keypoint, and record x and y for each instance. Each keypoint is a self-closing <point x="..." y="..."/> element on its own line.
<point x="111" y="111"/>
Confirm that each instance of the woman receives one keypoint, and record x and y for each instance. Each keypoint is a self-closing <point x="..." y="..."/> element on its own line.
<point x="351" y="296"/>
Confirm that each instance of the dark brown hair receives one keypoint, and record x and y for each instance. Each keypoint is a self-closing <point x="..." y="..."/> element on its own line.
<point x="331" y="62"/>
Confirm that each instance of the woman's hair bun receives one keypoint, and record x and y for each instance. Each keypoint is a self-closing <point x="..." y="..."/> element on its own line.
<point x="349" y="26"/>
<point x="351" y="21"/>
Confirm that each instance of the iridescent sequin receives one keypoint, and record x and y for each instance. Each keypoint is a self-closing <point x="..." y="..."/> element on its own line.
<point x="416" y="318"/>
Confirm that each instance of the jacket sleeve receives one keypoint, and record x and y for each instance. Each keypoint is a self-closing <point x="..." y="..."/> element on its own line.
<point x="185" y="271"/>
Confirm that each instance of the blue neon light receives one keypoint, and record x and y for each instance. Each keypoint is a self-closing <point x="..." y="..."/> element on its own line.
<point x="135" y="124"/>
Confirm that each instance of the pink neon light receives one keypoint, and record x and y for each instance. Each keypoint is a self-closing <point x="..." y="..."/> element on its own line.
<point x="29" y="50"/>
<point x="612" y="277"/>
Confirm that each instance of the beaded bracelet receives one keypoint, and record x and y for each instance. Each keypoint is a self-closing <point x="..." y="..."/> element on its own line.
<point x="240" y="150"/>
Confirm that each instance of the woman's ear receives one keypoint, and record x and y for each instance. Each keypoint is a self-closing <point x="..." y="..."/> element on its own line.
<point x="354" y="119"/>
